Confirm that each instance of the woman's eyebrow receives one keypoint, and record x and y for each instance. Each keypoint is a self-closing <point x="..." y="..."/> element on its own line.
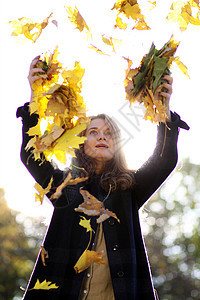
<point x="92" y="128"/>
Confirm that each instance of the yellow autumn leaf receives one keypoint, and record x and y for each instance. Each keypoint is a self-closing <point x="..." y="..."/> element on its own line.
<point x="120" y="24"/>
<point x="87" y="258"/>
<point x="74" y="76"/>
<point x="77" y="19"/>
<point x="181" y="12"/>
<point x="99" y="51"/>
<point x="67" y="143"/>
<point x="141" y="25"/>
<point x="42" y="192"/>
<point x="181" y="66"/>
<point x="25" y="26"/>
<point x="130" y="9"/>
<point x="70" y="138"/>
<point x="44" y="285"/>
<point x="61" y="110"/>
<point x="85" y="223"/>
<point x="34" y="130"/>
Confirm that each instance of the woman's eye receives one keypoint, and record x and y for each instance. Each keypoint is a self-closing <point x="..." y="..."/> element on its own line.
<point x="108" y="133"/>
<point x="93" y="132"/>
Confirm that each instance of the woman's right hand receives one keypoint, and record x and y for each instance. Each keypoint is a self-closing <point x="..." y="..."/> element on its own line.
<point x="34" y="72"/>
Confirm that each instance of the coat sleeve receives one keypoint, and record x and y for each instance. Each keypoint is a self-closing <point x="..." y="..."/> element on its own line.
<point x="42" y="172"/>
<point x="157" y="168"/>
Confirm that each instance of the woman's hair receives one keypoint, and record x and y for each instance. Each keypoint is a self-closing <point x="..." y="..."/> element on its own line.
<point x="115" y="173"/>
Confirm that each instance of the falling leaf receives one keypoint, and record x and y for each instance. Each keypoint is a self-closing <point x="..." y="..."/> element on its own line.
<point x="91" y="205"/>
<point x="28" y="28"/>
<point x="77" y="19"/>
<point x="99" y="51"/>
<point x="181" y="66"/>
<point x="106" y="214"/>
<point x="42" y="192"/>
<point x="87" y="258"/>
<point x="44" y="285"/>
<point x="181" y="12"/>
<point x="120" y="24"/>
<point x="130" y="9"/>
<point x="66" y="182"/>
<point x="86" y="224"/>
<point x="44" y="255"/>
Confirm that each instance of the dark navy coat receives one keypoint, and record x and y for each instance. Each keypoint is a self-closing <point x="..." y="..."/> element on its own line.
<point x="66" y="240"/>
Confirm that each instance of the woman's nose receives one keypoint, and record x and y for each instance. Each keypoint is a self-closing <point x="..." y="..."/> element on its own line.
<point x="101" y="137"/>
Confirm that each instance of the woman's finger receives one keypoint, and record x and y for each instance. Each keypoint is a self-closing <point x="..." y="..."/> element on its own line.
<point x="33" y="71"/>
<point x="34" y="61"/>
<point x="32" y="79"/>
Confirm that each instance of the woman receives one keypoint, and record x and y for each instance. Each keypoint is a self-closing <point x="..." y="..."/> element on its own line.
<point x="125" y="273"/>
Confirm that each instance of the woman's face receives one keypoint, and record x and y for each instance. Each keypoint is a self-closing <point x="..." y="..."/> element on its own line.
<point x="99" y="144"/>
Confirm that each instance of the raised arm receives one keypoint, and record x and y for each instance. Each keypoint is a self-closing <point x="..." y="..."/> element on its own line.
<point x="42" y="172"/>
<point x="158" y="167"/>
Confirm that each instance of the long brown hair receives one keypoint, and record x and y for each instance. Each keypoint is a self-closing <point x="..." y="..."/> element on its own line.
<point x="115" y="173"/>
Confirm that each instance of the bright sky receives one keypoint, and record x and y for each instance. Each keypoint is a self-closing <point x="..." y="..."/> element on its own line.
<point x="103" y="84"/>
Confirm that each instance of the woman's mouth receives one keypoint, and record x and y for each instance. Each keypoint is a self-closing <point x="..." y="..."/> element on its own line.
<point x="102" y="146"/>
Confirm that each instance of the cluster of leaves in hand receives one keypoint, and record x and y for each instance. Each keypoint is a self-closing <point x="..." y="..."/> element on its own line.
<point x="61" y="110"/>
<point x="148" y="77"/>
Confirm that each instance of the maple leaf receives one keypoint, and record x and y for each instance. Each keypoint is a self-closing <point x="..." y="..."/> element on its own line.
<point x="86" y="224"/>
<point x="44" y="285"/>
<point x="130" y="9"/>
<point x="87" y="258"/>
<point x="181" y="12"/>
<point x="42" y="192"/>
<point x="25" y="26"/>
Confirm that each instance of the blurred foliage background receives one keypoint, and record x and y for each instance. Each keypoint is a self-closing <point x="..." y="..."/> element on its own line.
<point x="171" y="227"/>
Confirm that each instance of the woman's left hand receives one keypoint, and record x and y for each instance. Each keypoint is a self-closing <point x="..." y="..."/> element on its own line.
<point x="166" y="93"/>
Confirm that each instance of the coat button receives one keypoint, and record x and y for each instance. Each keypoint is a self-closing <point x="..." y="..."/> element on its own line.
<point x="115" y="248"/>
<point x="120" y="274"/>
<point x="111" y="222"/>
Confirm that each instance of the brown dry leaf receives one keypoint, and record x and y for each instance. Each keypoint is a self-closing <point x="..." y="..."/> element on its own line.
<point x="91" y="205"/>
<point x="49" y="137"/>
<point x="106" y="214"/>
<point x="67" y="181"/>
<point x="87" y="258"/>
<point x="44" y="255"/>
